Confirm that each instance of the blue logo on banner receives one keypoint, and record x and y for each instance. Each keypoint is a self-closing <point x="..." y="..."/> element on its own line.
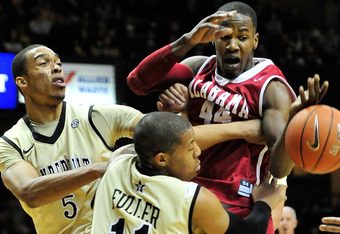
<point x="8" y="90"/>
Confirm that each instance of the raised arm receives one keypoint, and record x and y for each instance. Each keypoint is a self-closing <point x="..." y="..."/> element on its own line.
<point x="217" y="220"/>
<point x="161" y="69"/>
<point x="24" y="182"/>
<point x="278" y="111"/>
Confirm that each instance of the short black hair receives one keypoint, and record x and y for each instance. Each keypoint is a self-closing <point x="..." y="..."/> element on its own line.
<point x="20" y="60"/>
<point x="241" y="8"/>
<point x="158" y="132"/>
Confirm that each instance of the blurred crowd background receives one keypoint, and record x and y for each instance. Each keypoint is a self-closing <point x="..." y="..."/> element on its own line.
<point x="301" y="37"/>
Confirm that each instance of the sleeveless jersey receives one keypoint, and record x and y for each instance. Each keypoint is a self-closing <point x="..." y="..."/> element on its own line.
<point x="76" y="142"/>
<point x="130" y="199"/>
<point x="230" y="169"/>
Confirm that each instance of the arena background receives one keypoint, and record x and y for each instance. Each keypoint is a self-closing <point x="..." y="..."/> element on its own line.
<point x="301" y="37"/>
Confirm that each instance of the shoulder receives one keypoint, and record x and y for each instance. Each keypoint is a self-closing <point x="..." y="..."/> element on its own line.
<point x="18" y="131"/>
<point x="277" y="96"/>
<point x="194" y="63"/>
<point x="114" y="107"/>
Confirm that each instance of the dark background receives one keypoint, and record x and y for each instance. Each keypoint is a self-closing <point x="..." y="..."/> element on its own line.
<point x="301" y="37"/>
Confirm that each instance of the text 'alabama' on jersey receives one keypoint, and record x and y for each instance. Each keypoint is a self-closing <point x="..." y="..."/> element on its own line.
<point x="231" y="168"/>
<point x="77" y="141"/>
<point x="131" y="199"/>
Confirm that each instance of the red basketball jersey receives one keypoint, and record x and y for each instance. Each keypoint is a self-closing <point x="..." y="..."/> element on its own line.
<point x="231" y="168"/>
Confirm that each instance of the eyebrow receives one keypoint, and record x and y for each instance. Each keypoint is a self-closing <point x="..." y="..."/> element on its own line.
<point x="242" y="29"/>
<point x="43" y="55"/>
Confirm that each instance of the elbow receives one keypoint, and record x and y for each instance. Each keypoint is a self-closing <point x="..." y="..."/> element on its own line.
<point x="135" y="84"/>
<point x="26" y="195"/>
<point x="29" y="199"/>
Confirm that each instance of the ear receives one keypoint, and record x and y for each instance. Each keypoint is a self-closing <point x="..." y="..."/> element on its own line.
<point x="21" y="82"/>
<point x="256" y="41"/>
<point x="161" y="159"/>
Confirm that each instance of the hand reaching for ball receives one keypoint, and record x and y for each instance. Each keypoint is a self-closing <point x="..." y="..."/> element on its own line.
<point x="312" y="96"/>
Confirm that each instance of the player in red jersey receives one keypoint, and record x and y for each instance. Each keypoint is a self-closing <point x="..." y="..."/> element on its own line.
<point x="229" y="86"/>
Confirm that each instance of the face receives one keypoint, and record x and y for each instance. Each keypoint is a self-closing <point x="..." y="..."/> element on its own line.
<point x="45" y="81"/>
<point x="184" y="162"/>
<point x="235" y="51"/>
<point x="288" y="221"/>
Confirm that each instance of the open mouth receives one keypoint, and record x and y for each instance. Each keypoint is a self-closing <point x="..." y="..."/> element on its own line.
<point x="232" y="61"/>
<point x="59" y="81"/>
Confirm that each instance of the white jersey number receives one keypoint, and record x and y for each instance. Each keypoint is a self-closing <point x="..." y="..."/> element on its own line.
<point x="70" y="205"/>
<point x="221" y="116"/>
<point x="118" y="228"/>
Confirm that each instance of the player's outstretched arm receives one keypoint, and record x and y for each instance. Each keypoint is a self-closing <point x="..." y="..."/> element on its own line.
<point x="24" y="182"/>
<point x="278" y="111"/>
<point x="217" y="220"/>
<point x="330" y="224"/>
<point x="161" y="69"/>
<point x="175" y="99"/>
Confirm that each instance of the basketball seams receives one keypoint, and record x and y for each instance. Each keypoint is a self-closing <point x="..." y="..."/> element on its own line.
<point x="309" y="139"/>
<point x="331" y="168"/>
<point x="326" y="142"/>
<point x="302" y="134"/>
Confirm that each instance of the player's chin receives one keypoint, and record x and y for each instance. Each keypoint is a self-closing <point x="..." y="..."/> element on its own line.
<point x="58" y="97"/>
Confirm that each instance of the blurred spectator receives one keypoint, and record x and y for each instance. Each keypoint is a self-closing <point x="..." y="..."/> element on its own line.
<point x="288" y="221"/>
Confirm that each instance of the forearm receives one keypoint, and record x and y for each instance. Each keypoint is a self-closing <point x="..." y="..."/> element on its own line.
<point x="158" y="71"/>
<point x="181" y="46"/>
<point x="211" y="134"/>
<point x="256" y="222"/>
<point x="37" y="190"/>
<point x="280" y="163"/>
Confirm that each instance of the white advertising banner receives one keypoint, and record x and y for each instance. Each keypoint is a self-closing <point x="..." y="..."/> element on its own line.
<point x="90" y="83"/>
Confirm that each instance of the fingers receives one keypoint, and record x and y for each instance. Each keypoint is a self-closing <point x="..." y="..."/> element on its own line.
<point x="314" y="94"/>
<point x="302" y="95"/>
<point x="329" y="228"/>
<point x="316" y="86"/>
<point x="331" y="220"/>
<point x="283" y="195"/>
<point x="217" y="17"/>
<point x="170" y="97"/>
<point x="174" y="94"/>
<point x="174" y="99"/>
<point x="311" y="90"/>
<point x="160" y="106"/>
<point x="324" y="89"/>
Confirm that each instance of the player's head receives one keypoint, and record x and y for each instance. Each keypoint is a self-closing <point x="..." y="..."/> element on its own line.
<point x="19" y="62"/>
<point x="235" y="51"/>
<point x="288" y="221"/>
<point x="166" y="142"/>
<point x="241" y="8"/>
<point x="37" y="73"/>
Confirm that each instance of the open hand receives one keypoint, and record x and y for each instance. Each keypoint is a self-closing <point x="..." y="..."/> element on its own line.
<point x="312" y="96"/>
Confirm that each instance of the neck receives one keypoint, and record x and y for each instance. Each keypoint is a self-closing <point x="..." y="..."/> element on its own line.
<point x="43" y="113"/>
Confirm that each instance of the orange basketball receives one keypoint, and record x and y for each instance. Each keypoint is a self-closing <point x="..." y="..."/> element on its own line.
<point x="313" y="139"/>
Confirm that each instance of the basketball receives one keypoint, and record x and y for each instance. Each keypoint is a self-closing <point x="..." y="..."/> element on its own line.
<point x="313" y="139"/>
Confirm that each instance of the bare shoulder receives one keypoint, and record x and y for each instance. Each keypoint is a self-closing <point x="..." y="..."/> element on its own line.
<point x="276" y="96"/>
<point x="194" y="63"/>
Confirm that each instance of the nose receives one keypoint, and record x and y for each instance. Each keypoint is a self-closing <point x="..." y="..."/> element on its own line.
<point x="56" y="68"/>
<point x="197" y="152"/>
<point x="232" y="45"/>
